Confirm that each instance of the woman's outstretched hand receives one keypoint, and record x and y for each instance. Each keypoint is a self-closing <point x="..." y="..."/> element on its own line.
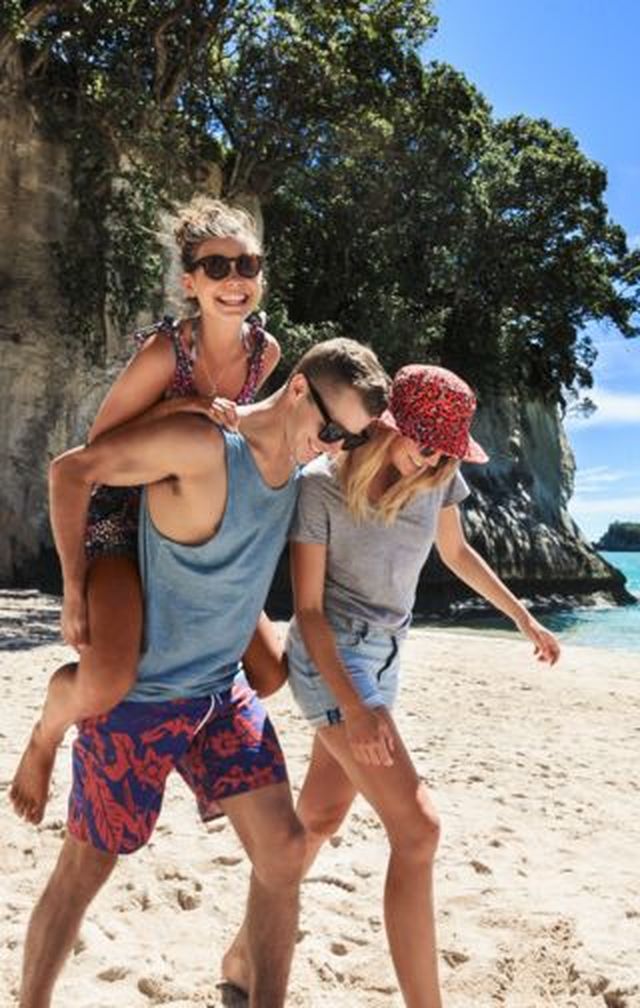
<point x="370" y="735"/>
<point x="546" y="647"/>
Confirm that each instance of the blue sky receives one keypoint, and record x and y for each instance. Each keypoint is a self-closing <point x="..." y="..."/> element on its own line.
<point x="576" y="63"/>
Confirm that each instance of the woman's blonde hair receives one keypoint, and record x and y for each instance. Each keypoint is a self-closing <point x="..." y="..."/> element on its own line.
<point x="207" y="218"/>
<point x="358" y="469"/>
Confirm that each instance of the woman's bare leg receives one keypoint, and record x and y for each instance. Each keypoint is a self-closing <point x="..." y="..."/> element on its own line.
<point x="324" y="801"/>
<point x="405" y="809"/>
<point x="103" y="674"/>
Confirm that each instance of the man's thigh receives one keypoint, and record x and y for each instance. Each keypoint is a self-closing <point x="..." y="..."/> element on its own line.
<point x="267" y="825"/>
<point x="120" y="764"/>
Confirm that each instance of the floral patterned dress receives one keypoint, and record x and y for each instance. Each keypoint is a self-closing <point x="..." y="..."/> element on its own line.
<point x="112" y="525"/>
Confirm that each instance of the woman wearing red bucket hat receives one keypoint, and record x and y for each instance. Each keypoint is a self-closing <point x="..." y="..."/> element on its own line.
<point x="365" y="525"/>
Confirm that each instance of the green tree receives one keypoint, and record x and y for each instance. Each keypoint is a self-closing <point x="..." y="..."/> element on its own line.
<point x="398" y="210"/>
<point x="439" y="233"/>
<point x="150" y="93"/>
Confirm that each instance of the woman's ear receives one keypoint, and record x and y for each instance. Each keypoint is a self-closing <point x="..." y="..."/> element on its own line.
<point x="187" y="284"/>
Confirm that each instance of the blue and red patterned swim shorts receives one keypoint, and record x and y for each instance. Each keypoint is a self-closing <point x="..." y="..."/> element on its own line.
<point x="222" y="746"/>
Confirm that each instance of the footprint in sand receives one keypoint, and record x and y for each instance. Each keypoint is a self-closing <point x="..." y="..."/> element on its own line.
<point x="331" y="880"/>
<point x="227" y="860"/>
<point x="480" y="868"/>
<point x="188" y="900"/>
<point x="453" y="958"/>
<point x="113" y="973"/>
<point x="354" y="940"/>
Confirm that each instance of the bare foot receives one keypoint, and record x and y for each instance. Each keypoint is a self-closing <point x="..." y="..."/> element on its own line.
<point x="235" y="967"/>
<point x="30" y="787"/>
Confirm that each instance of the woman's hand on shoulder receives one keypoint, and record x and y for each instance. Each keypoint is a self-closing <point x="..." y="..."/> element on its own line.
<point x="545" y="644"/>
<point x="369" y="734"/>
<point x="223" y="412"/>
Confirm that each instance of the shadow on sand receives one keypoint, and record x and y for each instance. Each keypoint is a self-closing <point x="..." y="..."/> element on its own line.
<point x="232" y="997"/>
<point x="28" y="619"/>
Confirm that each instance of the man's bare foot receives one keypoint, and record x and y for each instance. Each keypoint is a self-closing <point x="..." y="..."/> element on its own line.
<point x="235" y="966"/>
<point x="30" y="787"/>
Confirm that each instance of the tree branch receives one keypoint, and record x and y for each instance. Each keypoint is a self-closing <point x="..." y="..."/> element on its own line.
<point x="170" y="79"/>
<point x="10" y="45"/>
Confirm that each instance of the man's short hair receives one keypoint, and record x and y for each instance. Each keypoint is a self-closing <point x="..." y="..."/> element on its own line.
<point x="342" y="361"/>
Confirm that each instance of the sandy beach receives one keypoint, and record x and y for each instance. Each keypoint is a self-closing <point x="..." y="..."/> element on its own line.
<point x="534" y="772"/>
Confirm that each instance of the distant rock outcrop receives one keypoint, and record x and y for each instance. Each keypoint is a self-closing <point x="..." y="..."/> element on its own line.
<point x="620" y="536"/>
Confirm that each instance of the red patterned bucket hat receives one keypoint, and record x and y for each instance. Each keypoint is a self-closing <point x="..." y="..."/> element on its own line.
<point x="434" y="407"/>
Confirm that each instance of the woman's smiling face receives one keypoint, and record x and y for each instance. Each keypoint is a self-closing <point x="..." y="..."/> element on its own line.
<point x="404" y="454"/>
<point x="234" y="296"/>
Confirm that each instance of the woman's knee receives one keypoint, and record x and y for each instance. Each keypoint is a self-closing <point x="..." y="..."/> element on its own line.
<point x="418" y="835"/>
<point x="103" y="686"/>
<point x="323" y="821"/>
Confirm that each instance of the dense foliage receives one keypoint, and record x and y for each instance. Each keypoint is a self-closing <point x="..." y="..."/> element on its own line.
<point x="398" y="210"/>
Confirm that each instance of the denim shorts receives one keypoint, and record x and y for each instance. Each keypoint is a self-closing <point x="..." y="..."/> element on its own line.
<point x="370" y="654"/>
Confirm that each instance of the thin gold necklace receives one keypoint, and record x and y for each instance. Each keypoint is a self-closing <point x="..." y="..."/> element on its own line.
<point x="200" y="355"/>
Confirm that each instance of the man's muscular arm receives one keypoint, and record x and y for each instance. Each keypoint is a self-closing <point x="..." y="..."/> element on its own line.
<point x="180" y="447"/>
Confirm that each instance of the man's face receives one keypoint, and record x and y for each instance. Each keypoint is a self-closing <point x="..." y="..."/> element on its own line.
<point x="340" y="404"/>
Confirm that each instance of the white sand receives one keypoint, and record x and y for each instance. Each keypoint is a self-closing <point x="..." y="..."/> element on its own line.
<point x="535" y="773"/>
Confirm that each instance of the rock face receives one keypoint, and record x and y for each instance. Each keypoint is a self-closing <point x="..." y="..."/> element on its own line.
<point x="517" y="515"/>
<point x="50" y="389"/>
<point x="621" y="536"/>
<point x="50" y="386"/>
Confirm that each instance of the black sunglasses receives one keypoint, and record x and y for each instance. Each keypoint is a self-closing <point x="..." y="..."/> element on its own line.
<point x="217" y="267"/>
<point x="332" y="431"/>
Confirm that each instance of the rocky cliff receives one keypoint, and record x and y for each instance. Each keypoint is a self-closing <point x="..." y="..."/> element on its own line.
<point x="517" y="515"/>
<point x="50" y="385"/>
<point x="50" y="388"/>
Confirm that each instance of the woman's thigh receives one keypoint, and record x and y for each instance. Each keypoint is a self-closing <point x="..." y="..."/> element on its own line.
<point x="114" y="601"/>
<point x="327" y="792"/>
<point x="396" y="792"/>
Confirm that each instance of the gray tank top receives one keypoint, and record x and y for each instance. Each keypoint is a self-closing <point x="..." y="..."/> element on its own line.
<point x="201" y="603"/>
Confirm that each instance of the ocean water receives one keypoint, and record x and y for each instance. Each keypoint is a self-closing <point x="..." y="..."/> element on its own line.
<point x="611" y="627"/>
<point x="615" y="627"/>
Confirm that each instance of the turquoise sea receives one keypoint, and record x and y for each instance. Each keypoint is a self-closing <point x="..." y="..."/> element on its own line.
<point x="616" y="627"/>
<point x="607" y="627"/>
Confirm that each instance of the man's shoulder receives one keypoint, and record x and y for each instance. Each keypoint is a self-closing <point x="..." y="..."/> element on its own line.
<point x="199" y="443"/>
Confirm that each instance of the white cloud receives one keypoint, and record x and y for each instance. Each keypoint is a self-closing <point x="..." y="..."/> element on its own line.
<point x="616" y="507"/>
<point x="598" y="478"/>
<point x="613" y="408"/>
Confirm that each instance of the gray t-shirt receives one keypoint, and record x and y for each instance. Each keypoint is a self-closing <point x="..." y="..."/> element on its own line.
<point x="372" y="569"/>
